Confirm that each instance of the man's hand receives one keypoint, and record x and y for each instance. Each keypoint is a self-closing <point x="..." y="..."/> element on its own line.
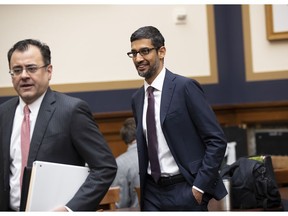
<point x="198" y="195"/>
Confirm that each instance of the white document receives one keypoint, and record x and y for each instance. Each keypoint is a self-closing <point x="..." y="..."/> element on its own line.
<point x="53" y="185"/>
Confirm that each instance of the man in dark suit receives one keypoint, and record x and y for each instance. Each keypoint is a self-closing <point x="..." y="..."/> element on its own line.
<point x="62" y="130"/>
<point x="190" y="143"/>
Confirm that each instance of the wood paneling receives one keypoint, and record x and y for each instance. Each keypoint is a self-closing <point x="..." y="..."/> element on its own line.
<point x="276" y="112"/>
<point x="227" y="115"/>
<point x="110" y="124"/>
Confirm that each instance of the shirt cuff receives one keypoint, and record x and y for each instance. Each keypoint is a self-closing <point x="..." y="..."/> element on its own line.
<point x="68" y="209"/>
<point x="198" y="189"/>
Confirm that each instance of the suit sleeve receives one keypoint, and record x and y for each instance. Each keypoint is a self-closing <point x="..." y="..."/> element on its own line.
<point x="211" y="135"/>
<point x="92" y="147"/>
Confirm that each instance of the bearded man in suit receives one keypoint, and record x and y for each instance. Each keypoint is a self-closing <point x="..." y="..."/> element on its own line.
<point x="190" y="144"/>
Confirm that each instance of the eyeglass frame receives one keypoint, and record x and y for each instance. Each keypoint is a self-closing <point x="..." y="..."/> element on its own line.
<point x="134" y="53"/>
<point x="36" y="67"/>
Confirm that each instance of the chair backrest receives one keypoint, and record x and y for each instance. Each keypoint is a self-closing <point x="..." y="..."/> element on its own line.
<point x="109" y="201"/>
<point x="137" y="189"/>
<point x="280" y="166"/>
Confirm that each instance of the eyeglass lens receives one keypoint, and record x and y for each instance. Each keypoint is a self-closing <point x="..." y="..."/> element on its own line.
<point x="142" y="52"/>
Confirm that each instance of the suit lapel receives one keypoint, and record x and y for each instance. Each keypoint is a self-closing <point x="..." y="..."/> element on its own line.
<point x="141" y="141"/>
<point x="139" y="102"/>
<point x="45" y="113"/>
<point x="167" y="93"/>
<point x="8" y="118"/>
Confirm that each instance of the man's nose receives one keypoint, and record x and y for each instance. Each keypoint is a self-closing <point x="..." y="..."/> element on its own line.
<point x="24" y="73"/>
<point x="138" y="57"/>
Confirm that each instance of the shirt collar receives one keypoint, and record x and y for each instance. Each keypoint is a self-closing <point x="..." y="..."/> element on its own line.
<point x="34" y="106"/>
<point x="132" y="146"/>
<point x="158" y="82"/>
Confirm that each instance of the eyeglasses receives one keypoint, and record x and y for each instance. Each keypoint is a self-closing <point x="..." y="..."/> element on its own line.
<point x="142" y="52"/>
<point x="31" y="69"/>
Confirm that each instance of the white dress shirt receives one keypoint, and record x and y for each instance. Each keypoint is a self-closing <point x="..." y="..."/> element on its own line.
<point x="15" y="148"/>
<point x="168" y="165"/>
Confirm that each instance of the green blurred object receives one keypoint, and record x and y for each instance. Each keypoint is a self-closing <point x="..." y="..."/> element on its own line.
<point x="259" y="158"/>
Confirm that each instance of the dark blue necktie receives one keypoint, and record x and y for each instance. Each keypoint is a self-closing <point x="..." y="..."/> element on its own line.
<point x="152" y="136"/>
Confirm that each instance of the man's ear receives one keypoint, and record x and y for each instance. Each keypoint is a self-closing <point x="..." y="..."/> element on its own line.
<point x="50" y="70"/>
<point x="162" y="52"/>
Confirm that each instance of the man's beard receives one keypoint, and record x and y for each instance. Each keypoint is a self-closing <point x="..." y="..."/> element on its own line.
<point x="148" y="74"/>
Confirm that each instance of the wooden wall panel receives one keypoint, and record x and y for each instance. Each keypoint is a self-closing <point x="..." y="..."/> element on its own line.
<point x="230" y="115"/>
<point x="252" y="113"/>
<point x="110" y="124"/>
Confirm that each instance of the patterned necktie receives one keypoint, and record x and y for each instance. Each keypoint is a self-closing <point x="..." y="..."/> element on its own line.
<point x="152" y="136"/>
<point x="25" y="139"/>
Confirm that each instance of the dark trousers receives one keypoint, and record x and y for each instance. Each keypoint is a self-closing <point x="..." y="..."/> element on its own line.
<point x="175" y="196"/>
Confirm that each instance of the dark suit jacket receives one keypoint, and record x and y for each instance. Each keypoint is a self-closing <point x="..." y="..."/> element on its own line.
<point x="192" y="132"/>
<point x="65" y="132"/>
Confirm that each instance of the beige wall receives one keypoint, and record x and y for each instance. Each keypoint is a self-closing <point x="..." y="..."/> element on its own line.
<point x="89" y="42"/>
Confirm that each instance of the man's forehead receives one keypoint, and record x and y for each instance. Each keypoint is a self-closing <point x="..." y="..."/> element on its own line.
<point x="141" y="43"/>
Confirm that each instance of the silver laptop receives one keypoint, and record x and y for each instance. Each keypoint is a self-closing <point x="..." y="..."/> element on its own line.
<point x="53" y="185"/>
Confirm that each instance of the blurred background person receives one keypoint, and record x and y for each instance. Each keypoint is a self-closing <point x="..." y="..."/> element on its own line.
<point x="127" y="177"/>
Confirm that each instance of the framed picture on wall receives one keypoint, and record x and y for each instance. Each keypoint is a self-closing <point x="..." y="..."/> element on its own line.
<point x="263" y="60"/>
<point x="276" y="21"/>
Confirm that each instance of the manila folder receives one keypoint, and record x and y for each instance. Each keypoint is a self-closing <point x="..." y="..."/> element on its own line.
<point x="53" y="185"/>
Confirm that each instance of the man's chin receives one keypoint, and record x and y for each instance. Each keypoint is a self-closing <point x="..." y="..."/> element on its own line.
<point x="142" y="73"/>
<point x="27" y="96"/>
